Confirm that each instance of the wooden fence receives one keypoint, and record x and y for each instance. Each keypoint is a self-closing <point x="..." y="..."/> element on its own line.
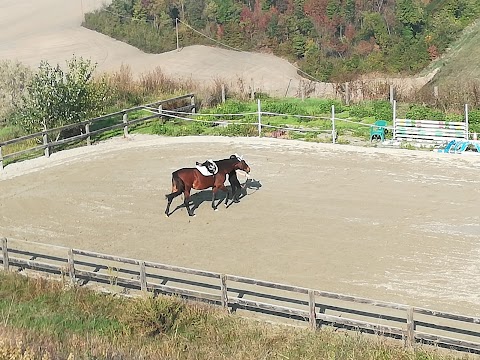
<point x="187" y="103"/>
<point x="241" y="294"/>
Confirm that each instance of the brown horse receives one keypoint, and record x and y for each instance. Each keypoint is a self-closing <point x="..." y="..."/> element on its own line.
<point x="186" y="179"/>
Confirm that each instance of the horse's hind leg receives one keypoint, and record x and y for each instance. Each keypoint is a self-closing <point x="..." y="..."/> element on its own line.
<point x="170" y="198"/>
<point x="177" y="189"/>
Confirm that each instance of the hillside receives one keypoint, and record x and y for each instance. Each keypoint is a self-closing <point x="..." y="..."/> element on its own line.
<point x="54" y="33"/>
<point x="460" y="64"/>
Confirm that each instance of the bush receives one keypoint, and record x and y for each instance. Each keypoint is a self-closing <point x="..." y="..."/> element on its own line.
<point x="179" y="129"/>
<point x="231" y="107"/>
<point x="474" y="117"/>
<point x="382" y="110"/>
<point x="325" y="106"/>
<point x="10" y="132"/>
<point x="361" y="110"/>
<point x="153" y="316"/>
<point x="281" y="107"/>
<point x="419" y="112"/>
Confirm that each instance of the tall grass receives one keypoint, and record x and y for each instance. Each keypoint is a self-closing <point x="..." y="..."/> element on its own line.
<point x="42" y="319"/>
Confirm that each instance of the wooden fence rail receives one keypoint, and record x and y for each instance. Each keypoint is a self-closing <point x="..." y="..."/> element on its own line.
<point x="237" y="293"/>
<point x="47" y="145"/>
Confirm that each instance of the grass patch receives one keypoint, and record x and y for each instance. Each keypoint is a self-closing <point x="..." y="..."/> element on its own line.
<point x="46" y="320"/>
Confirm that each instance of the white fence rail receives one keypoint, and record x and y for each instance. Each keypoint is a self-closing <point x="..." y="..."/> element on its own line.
<point x="429" y="130"/>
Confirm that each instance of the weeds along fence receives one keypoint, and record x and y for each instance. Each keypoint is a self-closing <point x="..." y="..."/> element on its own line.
<point x="259" y="121"/>
<point x="180" y="108"/>
<point x="46" y="141"/>
<point x="264" y="299"/>
<point x="431" y="132"/>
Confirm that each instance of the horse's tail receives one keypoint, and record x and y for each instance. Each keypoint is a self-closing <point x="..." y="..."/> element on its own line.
<point x="178" y="186"/>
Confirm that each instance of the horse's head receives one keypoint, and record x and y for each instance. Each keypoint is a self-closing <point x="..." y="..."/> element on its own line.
<point x="241" y="164"/>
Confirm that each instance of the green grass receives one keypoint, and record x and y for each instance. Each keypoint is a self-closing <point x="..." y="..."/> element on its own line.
<point x="51" y="321"/>
<point x="460" y="64"/>
<point x="43" y="306"/>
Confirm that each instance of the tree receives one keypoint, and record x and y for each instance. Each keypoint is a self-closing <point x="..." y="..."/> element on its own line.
<point x="55" y="98"/>
<point x="411" y="14"/>
<point x="227" y="11"/>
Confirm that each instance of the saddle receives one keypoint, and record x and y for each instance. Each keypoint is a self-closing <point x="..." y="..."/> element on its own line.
<point x="207" y="168"/>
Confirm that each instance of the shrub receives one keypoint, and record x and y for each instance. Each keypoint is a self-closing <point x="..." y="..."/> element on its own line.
<point x="153" y="316"/>
<point x="281" y="107"/>
<point x="419" y="112"/>
<point x="474" y="117"/>
<point x="361" y="110"/>
<point x="382" y="110"/>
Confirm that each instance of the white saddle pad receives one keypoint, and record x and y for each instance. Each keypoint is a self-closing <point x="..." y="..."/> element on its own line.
<point x="203" y="170"/>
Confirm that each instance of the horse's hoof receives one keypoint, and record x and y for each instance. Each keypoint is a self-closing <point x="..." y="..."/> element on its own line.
<point x="166" y="215"/>
<point x="215" y="209"/>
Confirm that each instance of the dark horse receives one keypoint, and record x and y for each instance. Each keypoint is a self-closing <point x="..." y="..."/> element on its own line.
<point x="186" y="179"/>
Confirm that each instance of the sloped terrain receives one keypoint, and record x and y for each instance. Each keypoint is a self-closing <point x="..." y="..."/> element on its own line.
<point x="51" y="30"/>
<point x="461" y="64"/>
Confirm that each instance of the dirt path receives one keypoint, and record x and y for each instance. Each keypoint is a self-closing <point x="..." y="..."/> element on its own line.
<point x="395" y="225"/>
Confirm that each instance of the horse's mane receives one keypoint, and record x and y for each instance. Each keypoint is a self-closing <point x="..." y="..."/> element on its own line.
<point x="224" y="162"/>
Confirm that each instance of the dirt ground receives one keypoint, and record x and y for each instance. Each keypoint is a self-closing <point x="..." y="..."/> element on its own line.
<point x="388" y="224"/>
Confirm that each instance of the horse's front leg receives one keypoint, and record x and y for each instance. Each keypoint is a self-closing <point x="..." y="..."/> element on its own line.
<point x="214" y="192"/>
<point x="236" y="187"/>
<point x="228" y="196"/>
<point x="186" y="201"/>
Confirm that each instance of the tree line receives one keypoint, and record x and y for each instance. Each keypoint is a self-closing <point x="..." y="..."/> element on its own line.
<point x="331" y="40"/>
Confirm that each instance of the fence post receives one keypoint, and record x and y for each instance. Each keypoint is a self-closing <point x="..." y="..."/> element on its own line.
<point x="192" y="102"/>
<point x="252" y="91"/>
<point x="160" y="116"/>
<point x="87" y="131"/>
<point x="259" y="118"/>
<point x="125" y="127"/>
<point x="71" y="266"/>
<point x="334" y="135"/>
<point x="347" y="94"/>
<point x="1" y="159"/>
<point x="392" y="94"/>
<point x="223" y="94"/>
<point x="176" y="32"/>
<point x="410" y="340"/>
<point x="5" y="254"/>
<point x="143" y="276"/>
<point x="224" y="289"/>
<point x="311" y="306"/>
<point x="394" y="119"/>
<point x="45" y="143"/>
<point x="466" y="122"/>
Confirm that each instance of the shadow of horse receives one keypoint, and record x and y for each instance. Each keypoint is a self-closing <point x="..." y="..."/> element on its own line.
<point x="199" y="198"/>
